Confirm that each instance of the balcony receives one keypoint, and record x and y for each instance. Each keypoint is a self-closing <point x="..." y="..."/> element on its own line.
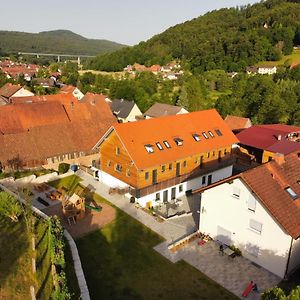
<point x="203" y="169"/>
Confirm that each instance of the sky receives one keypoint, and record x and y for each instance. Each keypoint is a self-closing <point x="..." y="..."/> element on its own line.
<point x="123" y="21"/>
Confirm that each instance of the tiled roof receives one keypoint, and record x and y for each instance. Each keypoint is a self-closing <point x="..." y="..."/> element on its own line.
<point x="9" y="89"/>
<point x="67" y="89"/>
<point x="270" y="137"/>
<point x="136" y="135"/>
<point x="39" y="130"/>
<point x="161" y="109"/>
<point x="236" y="123"/>
<point x="121" y="108"/>
<point x="269" y="182"/>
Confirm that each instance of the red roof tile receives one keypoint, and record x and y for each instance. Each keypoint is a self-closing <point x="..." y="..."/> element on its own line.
<point x="269" y="182"/>
<point x="9" y="89"/>
<point x="272" y="138"/>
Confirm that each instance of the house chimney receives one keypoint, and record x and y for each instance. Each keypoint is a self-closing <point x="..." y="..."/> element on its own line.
<point x="279" y="158"/>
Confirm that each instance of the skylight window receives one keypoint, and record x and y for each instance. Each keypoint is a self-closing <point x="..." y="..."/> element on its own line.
<point x="205" y="135"/>
<point x="159" y="146"/>
<point x="211" y="134"/>
<point x="149" y="148"/>
<point x="166" y="143"/>
<point x="196" y="137"/>
<point x="291" y="192"/>
<point x="218" y="132"/>
<point x="178" y="141"/>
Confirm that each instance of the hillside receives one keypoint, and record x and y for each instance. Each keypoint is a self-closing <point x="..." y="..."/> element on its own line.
<point x="228" y="39"/>
<point x="57" y="41"/>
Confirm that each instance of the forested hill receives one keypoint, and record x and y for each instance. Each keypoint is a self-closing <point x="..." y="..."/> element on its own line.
<point x="228" y="39"/>
<point x="57" y="41"/>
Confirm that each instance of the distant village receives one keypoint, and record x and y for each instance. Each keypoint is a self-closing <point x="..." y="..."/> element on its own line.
<point x="243" y="179"/>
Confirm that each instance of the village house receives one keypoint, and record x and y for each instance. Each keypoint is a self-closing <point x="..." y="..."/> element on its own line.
<point x="269" y="70"/>
<point x="72" y="89"/>
<point x="237" y="124"/>
<point x="264" y="70"/>
<point x="267" y="141"/>
<point x="9" y="91"/>
<point x="124" y="110"/>
<point x="52" y="129"/>
<point x="162" y="109"/>
<point x="161" y="159"/>
<point x="258" y="211"/>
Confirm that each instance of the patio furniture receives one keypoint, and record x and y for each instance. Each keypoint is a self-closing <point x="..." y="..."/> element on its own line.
<point x="230" y="253"/>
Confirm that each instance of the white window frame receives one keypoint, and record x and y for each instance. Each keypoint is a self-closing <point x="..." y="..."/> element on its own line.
<point x="255" y="226"/>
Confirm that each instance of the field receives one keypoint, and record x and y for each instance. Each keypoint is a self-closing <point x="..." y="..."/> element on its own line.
<point x="292" y="59"/>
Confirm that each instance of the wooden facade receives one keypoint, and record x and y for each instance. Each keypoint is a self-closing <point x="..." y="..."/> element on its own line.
<point x="116" y="161"/>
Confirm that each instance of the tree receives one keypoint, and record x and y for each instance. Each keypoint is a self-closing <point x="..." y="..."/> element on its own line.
<point x="275" y="293"/>
<point x="10" y="206"/>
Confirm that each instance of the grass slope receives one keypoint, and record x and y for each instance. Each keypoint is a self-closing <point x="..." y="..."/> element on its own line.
<point x="15" y="261"/>
<point x="57" y="41"/>
<point x="292" y="59"/>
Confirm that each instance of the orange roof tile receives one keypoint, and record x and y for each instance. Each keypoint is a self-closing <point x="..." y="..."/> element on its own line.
<point x="136" y="135"/>
<point x="67" y="89"/>
<point x="236" y="123"/>
<point x="38" y="130"/>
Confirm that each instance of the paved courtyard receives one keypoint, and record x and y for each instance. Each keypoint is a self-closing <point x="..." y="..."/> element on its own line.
<point x="233" y="274"/>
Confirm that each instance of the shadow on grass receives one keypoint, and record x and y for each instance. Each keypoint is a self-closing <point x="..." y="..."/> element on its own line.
<point x="46" y="285"/>
<point x="119" y="263"/>
<point x="14" y="244"/>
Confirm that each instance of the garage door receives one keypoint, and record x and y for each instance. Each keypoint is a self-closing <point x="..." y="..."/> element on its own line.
<point x="223" y="235"/>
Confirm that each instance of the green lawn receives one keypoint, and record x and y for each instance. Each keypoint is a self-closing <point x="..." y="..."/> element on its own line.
<point x="293" y="58"/>
<point x="119" y="263"/>
<point x="67" y="183"/>
<point x="15" y="260"/>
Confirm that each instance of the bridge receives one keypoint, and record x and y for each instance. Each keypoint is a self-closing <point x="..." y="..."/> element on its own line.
<point x="78" y="56"/>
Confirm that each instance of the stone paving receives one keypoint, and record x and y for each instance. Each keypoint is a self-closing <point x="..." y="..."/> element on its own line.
<point x="170" y="230"/>
<point x="233" y="274"/>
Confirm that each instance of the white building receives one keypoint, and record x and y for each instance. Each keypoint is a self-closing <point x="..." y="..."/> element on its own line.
<point x="267" y="70"/>
<point x="258" y="211"/>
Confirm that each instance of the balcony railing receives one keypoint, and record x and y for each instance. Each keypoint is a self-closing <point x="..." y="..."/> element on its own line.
<point x="204" y="168"/>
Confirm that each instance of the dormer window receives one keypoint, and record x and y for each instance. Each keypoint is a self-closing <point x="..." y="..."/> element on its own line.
<point x="149" y="148"/>
<point x="291" y="192"/>
<point x="218" y="132"/>
<point x="196" y="137"/>
<point x="178" y="141"/>
<point x="166" y="143"/>
<point x="205" y="135"/>
<point x="211" y="134"/>
<point x="159" y="146"/>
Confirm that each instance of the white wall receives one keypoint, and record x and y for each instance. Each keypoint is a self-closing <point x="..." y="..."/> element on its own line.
<point x="134" y="112"/>
<point x="220" y="208"/>
<point x="188" y="185"/>
<point x="23" y="93"/>
<point x="110" y="180"/>
<point x="78" y="94"/>
<point x="295" y="256"/>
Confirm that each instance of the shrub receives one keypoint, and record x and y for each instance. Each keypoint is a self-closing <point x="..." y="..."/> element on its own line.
<point x="236" y="250"/>
<point x="274" y="293"/>
<point x="63" y="168"/>
<point x="10" y="206"/>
